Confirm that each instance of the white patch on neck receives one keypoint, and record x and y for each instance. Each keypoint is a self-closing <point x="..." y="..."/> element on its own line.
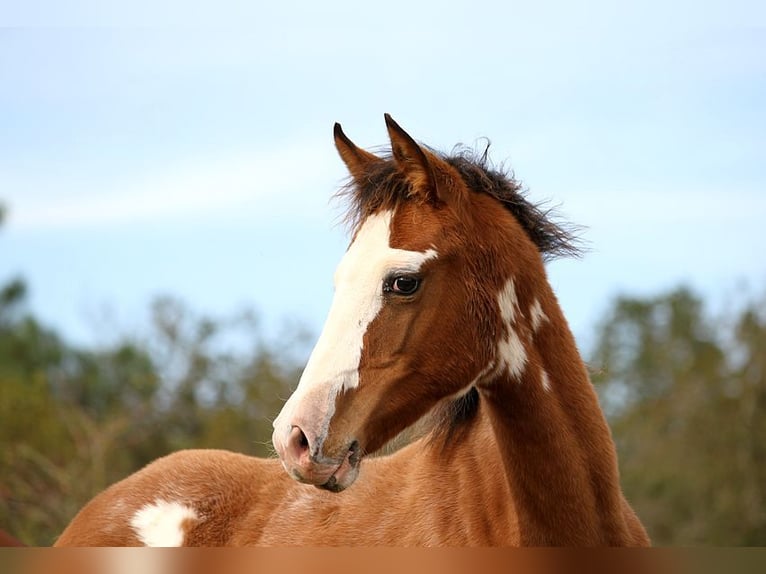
<point x="545" y="379"/>
<point x="510" y="350"/>
<point x="160" y="523"/>
<point x="536" y="315"/>
<point x="334" y="363"/>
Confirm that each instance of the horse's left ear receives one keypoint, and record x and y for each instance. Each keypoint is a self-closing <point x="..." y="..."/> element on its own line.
<point x="413" y="160"/>
<point x="357" y="160"/>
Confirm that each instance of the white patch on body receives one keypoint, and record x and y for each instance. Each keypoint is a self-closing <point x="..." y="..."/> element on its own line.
<point x="510" y="350"/>
<point x="160" y="523"/>
<point x="536" y="315"/>
<point x="334" y="363"/>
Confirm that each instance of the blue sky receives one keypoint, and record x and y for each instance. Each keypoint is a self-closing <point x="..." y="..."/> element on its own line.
<point x="186" y="148"/>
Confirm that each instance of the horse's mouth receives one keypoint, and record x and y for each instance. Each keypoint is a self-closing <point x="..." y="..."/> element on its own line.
<point x="347" y="472"/>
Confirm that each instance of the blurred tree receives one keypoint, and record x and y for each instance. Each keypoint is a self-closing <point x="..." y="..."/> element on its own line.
<point x="686" y="398"/>
<point x="73" y="421"/>
<point x="223" y="382"/>
<point x="57" y="429"/>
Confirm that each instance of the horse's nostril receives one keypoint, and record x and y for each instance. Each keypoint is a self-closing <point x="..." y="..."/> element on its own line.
<point x="298" y="440"/>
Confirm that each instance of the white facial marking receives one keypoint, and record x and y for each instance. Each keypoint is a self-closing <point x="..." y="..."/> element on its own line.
<point x="546" y="381"/>
<point x="160" y="523"/>
<point x="334" y="362"/>
<point x="510" y="350"/>
<point x="536" y="315"/>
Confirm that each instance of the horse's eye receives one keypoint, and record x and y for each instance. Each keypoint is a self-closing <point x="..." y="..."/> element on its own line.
<point x="403" y="285"/>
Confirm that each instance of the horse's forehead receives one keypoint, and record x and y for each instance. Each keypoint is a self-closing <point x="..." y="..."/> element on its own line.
<point x="415" y="227"/>
<point x="371" y="238"/>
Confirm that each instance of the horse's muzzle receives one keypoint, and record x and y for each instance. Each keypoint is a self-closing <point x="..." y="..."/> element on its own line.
<point x="333" y="474"/>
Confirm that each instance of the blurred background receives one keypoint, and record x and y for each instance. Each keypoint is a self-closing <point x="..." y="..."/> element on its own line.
<point x="167" y="237"/>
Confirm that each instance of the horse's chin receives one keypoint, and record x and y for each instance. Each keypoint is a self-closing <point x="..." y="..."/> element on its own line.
<point x="340" y="480"/>
<point x="346" y="473"/>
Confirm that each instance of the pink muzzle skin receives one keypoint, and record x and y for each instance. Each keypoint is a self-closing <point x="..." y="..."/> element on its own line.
<point x="296" y="457"/>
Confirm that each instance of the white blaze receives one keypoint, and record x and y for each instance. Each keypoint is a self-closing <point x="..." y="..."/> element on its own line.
<point x="161" y="523"/>
<point x="334" y="362"/>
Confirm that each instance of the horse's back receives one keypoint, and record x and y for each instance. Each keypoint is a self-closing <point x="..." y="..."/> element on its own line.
<point x="191" y="497"/>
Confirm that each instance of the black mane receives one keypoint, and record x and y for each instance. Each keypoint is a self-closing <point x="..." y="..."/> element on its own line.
<point x="551" y="238"/>
<point x="384" y="186"/>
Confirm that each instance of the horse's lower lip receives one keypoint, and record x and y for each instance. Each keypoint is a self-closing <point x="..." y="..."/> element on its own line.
<point x="345" y="474"/>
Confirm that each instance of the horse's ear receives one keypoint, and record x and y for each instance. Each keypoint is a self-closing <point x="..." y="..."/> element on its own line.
<point x="413" y="160"/>
<point x="357" y="160"/>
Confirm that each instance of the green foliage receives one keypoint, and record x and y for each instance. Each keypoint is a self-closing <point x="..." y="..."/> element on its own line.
<point x="73" y="421"/>
<point x="686" y="398"/>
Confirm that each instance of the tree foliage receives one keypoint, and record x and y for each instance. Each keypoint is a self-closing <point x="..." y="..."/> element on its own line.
<point x="686" y="397"/>
<point x="73" y="421"/>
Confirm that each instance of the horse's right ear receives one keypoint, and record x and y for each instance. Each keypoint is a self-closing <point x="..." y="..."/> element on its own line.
<point x="357" y="160"/>
<point x="416" y="163"/>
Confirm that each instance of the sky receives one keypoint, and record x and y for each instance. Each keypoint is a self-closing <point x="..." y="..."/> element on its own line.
<point x="186" y="148"/>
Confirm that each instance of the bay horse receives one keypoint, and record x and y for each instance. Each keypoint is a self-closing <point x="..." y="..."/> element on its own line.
<point x="442" y="317"/>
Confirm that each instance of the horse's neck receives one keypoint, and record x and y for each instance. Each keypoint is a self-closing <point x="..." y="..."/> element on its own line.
<point x="556" y="447"/>
<point x="450" y="489"/>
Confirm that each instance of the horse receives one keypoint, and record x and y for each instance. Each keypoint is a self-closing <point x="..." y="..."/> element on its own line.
<point x="442" y="319"/>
